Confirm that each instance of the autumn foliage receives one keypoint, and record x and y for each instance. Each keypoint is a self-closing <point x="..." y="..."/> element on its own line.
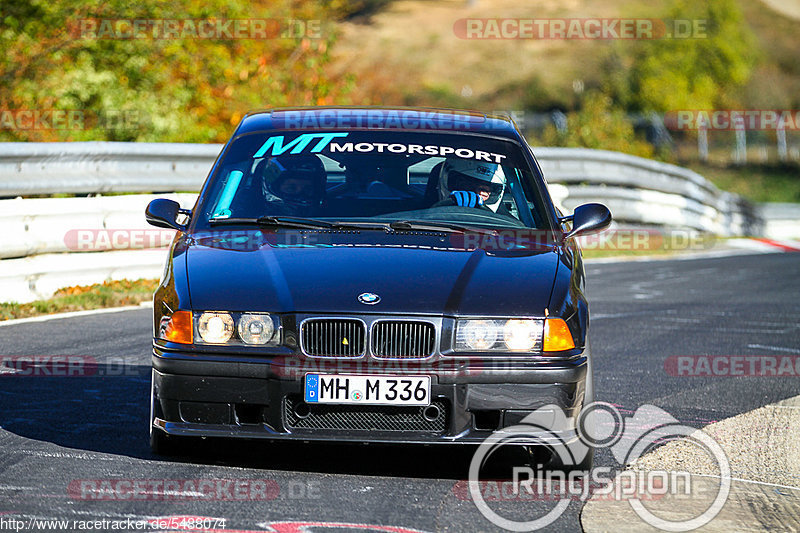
<point x="80" y="59"/>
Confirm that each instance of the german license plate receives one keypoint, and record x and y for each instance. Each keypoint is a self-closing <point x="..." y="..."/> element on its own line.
<point x="368" y="390"/>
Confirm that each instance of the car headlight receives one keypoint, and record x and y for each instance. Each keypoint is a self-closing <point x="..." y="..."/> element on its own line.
<point x="232" y="328"/>
<point x="256" y="329"/>
<point x="477" y="334"/>
<point x="522" y="335"/>
<point x="215" y="328"/>
<point x="515" y="335"/>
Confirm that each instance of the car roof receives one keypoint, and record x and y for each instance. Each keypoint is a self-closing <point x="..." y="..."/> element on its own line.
<point x="331" y="118"/>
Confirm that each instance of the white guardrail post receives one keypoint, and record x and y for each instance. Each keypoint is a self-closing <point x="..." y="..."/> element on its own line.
<point x="48" y="243"/>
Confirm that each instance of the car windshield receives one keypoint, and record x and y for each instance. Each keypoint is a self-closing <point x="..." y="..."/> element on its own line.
<point x="377" y="177"/>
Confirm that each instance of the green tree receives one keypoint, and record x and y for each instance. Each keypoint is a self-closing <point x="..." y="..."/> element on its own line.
<point x="698" y="72"/>
<point x="598" y="124"/>
<point x="179" y="89"/>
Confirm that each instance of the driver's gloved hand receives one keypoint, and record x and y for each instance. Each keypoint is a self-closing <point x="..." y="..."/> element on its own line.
<point x="466" y="198"/>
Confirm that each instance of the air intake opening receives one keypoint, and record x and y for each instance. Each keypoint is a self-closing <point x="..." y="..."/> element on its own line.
<point x="247" y="413"/>
<point x="486" y="420"/>
<point x="299" y="416"/>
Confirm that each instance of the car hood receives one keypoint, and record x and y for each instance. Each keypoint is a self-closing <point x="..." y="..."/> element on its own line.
<point x="408" y="279"/>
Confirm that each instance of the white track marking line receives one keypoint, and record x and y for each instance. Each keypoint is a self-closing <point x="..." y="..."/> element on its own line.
<point x="773" y="348"/>
<point x="749" y="481"/>
<point x="72" y="314"/>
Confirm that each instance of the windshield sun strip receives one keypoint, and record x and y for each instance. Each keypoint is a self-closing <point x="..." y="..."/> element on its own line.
<point x="222" y="209"/>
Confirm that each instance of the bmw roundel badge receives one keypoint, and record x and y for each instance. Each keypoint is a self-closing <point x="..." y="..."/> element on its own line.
<point x="369" y="298"/>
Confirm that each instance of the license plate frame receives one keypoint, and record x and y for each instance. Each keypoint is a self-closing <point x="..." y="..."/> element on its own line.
<point x="364" y="389"/>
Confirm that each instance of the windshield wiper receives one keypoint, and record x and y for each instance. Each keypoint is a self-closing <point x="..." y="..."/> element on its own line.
<point x="420" y="225"/>
<point x="360" y="225"/>
<point x="311" y="223"/>
<point x="272" y="221"/>
<point x="297" y="223"/>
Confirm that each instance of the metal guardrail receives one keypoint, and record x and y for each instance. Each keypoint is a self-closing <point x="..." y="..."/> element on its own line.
<point x="28" y="169"/>
<point x="40" y="239"/>
<point x="643" y="191"/>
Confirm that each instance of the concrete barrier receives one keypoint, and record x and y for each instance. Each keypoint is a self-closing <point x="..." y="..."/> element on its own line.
<point x="53" y="225"/>
<point x="782" y="221"/>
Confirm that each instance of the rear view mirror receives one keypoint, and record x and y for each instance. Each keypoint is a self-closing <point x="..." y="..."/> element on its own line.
<point x="163" y="213"/>
<point x="588" y="218"/>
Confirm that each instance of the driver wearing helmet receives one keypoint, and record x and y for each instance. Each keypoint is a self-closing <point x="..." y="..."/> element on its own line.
<point x="294" y="185"/>
<point x="471" y="184"/>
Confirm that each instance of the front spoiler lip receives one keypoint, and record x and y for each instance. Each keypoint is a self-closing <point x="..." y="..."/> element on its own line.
<point x="262" y="431"/>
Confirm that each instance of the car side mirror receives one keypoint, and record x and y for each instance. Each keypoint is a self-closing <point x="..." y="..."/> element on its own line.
<point x="588" y="218"/>
<point x="164" y="213"/>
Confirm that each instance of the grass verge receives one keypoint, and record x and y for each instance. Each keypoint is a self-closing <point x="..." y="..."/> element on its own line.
<point x="84" y="297"/>
<point x="651" y="243"/>
<point x="757" y="183"/>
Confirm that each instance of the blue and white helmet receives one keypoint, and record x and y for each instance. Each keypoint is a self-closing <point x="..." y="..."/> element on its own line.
<point x="473" y="176"/>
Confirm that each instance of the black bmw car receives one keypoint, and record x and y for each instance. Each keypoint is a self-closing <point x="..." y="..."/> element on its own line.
<point x="369" y="274"/>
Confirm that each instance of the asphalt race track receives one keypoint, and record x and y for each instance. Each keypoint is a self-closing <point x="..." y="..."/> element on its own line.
<point x="62" y="433"/>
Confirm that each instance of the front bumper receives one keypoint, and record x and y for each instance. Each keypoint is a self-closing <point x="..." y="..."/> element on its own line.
<point x="216" y="397"/>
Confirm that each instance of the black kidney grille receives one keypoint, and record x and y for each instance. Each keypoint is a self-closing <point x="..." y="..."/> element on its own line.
<point x="333" y="337"/>
<point x="366" y="417"/>
<point x="403" y="339"/>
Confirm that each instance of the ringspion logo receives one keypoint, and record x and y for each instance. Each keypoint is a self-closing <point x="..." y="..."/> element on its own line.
<point x="598" y="425"/>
